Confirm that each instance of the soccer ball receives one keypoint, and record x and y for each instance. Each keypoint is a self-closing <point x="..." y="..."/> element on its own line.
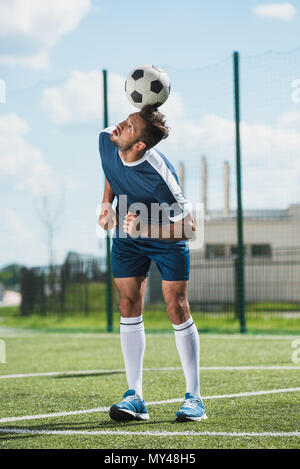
<point x="147" y="84"/>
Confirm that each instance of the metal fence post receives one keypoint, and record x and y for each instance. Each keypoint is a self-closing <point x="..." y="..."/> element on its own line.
<point x="240" y="258"/>
<point x="109" y="287"/>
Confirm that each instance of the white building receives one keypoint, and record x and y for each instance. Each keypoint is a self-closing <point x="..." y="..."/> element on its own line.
<point x="272" y="257"/>
<point x="264" y="231"/>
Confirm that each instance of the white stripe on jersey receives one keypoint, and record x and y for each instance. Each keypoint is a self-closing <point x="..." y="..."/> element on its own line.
<point x="109" y="130"/>
<point x="160" y="166"/>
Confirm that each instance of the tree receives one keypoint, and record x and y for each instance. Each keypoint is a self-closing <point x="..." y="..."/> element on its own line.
<point x="10" y="275"/>
<point x="50" y="220"/>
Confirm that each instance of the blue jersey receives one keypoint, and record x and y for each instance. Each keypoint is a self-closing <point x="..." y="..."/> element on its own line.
<point x="151" y="180"/>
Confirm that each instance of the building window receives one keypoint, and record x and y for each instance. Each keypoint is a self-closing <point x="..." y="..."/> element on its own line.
<point x="233" y="250"/>
<point x="260" y="250"/>
<point x="214" y="250"/>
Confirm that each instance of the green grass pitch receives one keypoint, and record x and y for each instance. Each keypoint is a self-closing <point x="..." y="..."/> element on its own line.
<point x="64" y="393"/>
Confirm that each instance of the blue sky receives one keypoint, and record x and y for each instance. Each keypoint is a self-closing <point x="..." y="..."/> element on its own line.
<point x="51" y="56"/>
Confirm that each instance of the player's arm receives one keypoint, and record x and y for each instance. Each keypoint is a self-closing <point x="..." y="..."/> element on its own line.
<point x="180" y="230"/>
<point x="107" y="218"/>
<point x="108" y="196"/>
<point x="184" y="229"/>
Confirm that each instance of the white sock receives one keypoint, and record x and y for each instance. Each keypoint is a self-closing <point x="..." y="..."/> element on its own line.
<point x="133" y="342"/>
<point x="188" y="346"/>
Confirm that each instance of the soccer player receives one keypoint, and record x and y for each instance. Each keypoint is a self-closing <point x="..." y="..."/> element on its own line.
<point x="140" y="177"/>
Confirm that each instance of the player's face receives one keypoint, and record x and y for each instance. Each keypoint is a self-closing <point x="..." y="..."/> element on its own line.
<point x="127" y="133"/>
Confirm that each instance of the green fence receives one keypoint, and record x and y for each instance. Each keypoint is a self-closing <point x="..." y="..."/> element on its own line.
<point x="271" y="287"/>
<point x="69" y="289"/>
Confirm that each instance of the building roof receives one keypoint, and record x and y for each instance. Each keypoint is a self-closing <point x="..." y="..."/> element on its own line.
<point x="255" y="214"/>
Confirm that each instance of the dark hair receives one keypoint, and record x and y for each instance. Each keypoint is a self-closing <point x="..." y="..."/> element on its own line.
<point x="156" y="128"/>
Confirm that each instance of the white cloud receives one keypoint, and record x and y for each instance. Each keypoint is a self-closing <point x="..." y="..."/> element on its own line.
<point x="14" y="225"/>
<point x="22" y="244"/>
<point x="80" y="100"/>
<point x="290" y="120"/>
<point x="270" y="154"/>
<point x="76" y="100"/>
<point x="207" y="133"/>
<point x="213" y="132"/>
<point x="29" y="28"/>
<point x="39" y="61"/>
<point x="21" y="160"/>
<point x="283" y="11"/>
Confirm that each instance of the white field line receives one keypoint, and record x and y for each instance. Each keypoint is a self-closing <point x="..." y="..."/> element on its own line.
<point x="168" y="401"/>
<point x="248" y="336"/>
<point x="81" y="372"/>
<point x="146" y="433"/>
<point x="248" y="367"/>
<point x="122" y="370"/>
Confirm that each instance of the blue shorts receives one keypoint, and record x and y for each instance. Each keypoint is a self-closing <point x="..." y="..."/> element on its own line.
<point x="133" y="257"/>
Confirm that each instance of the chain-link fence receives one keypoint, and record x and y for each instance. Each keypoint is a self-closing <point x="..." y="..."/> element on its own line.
<point x="202" y="147"/>
<point x="272" y="291"/>
<point x="76" y="287"/>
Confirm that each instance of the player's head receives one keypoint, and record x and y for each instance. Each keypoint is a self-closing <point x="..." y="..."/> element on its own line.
<point x="141" y="130"/>
<point x="155" y="128"/>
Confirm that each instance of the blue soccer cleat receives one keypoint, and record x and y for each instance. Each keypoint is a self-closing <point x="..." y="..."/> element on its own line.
<point x="132" y="407"/>
<point x="191" y="409"/>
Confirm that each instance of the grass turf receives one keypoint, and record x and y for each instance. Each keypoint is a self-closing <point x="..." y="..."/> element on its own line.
<point x="155" y="321"/>
<point x="69" y="352"/>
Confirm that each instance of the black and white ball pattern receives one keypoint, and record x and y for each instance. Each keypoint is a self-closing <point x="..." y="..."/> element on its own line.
<point x="147" y="84"/>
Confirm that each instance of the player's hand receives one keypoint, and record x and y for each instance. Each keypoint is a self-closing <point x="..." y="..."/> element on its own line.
<point x="133" y="226"/>
<point x="108" y="217"/>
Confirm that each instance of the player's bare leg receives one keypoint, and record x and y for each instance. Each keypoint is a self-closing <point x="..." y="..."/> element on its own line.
<point x="132" y="334"/>
<point x="188" y="346"/>
<point x="175" y="296"/>
<point x="132" y="294"/>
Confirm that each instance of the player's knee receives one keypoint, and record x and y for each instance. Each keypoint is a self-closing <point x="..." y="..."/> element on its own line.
<point x="130" y="307"/>
<point x="178" y="307"/>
